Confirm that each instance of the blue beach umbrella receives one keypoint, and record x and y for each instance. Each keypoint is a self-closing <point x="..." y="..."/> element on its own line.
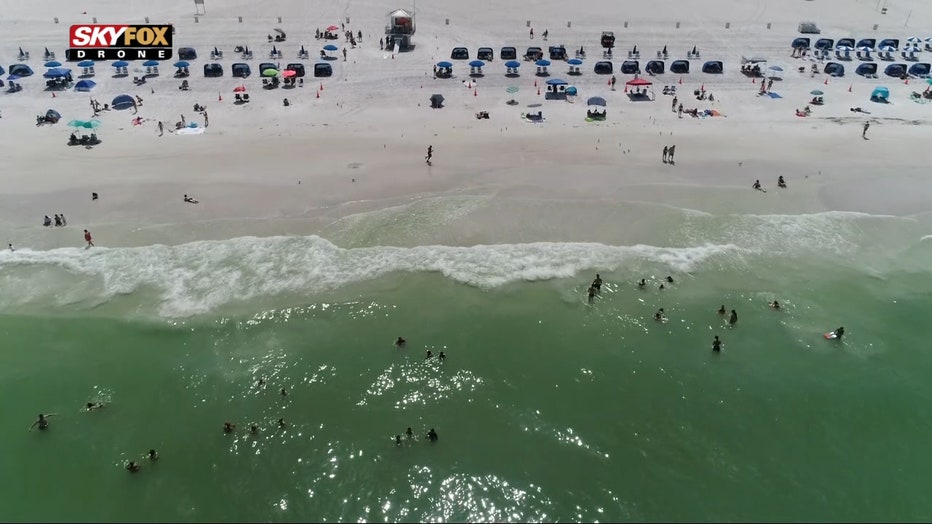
<point x="542" y="62"/>
<point x="513" y="64"/>
<point x="53" y="63"/>
<point x="86" y="63"/>
<point x="574" y="61"/>
<point x="12" y="78"/>
<point x="477" y="63"/>
<point x="330" y="47"/>
<point x="121" y="63"/>
<point x="445" y="64"/>
<point x="150" y="63"/>
<point x="181" y="63"/>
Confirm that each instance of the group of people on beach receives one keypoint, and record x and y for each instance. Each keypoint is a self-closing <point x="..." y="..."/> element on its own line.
<point x="59" y="221"/>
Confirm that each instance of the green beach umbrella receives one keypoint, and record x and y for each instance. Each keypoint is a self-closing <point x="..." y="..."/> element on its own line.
<point x="512" y="89"/>
<point x="87" y="124"/>
<point x="270" y="72"/>
<point x="929" y="81"/>
<point x="816" y="92"/>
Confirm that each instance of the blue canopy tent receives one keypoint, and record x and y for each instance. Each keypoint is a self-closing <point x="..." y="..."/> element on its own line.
<point x="713" y="67"/>
<point x="630" y="67"/>
<point x="880" y="94"/>
<point x="895" y="70"/>
<point x="655" y="67"/>
<point x="322" y="69"/>
<point x="556" y="89"/>
<point x="21" y="70"/>
<point x="240" y="70"/>
<point x="122" y="102"/>
<point x="444" y="69"/>
<point x="603" y="67"/>
<point x="679" y="67"/>
<point x="920" y="69"/>
<point x="85" y="85"/>
<point x="866" y="70"/>
<point x="57" y="72"/>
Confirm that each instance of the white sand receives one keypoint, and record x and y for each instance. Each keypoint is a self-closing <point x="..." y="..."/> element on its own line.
<point x="263" y="169"/>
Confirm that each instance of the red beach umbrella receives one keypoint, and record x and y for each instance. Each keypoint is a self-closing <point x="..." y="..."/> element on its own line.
<point x="239" y="89"/>
<point x="332" y="28"/>
<point x="288" y="73"/>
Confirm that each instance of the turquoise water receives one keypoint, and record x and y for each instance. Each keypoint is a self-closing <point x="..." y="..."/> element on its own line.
<point x="548" y="409"/>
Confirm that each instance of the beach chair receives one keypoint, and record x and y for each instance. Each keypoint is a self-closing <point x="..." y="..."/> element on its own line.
<point x="49" y="55"/>
<point x="246" y="97"/>
<point x="238" y="98"/>
<point x="23" y="56"/>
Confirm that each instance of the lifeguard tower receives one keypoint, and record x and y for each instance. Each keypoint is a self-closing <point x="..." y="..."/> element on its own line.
<point x="400" y="29"/>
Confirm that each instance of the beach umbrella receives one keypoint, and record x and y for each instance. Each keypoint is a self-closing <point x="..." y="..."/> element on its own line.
<point x="216" y="51"/>
<point x="596" y="101"/>
<point x="302" y="49"/>
<point x="270" y="72"/>
<point x="239" y="89"/>
<point x="913" y="40"/>
<point x="85" y="85"/>
<point x="571" y="90"/>
<point x="121" y="63"/>
<point x="513" y="64"/>
<point x="86" y="63"/>
<point x="664" y="50"/>
<point x="865" y="48"/>
<point x="151" y="63"/>
<point x="514" y="89"/>
<point x="288" y="73"/>
<point x="122" y="102"/>
<point x="53" y="63"/>
<point x="635" y="50"/>
<point x="330" y="47"/>
<point x="477" y="63"/>
<point x="775" y="68"/>
<point x="574" y="61"/>
<point x="181" y="63"/>
<point x="911" y="49"/>
<point x="929" y="81"/>
<point x="274" y="51"/>
<point x="86" y="124"/>
<point x="13" y="77"/>
<point x="844" y="48"/>
<point x="332" y="28"/>
<point x="57" y="73"/>
<point x="816" y="92"/>
<point x="542" y="63"/>
<point x="888" y="48"/>
<point x="445" y="64"/>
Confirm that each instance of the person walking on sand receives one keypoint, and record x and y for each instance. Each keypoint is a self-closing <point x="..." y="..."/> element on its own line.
<point x="88" y="239"/>
<point x="206" y="121"/>
<point x="161" y="128"/>
<point x="430" y="154"/>
<point x="864" y="132"/>
<point x="532" y="33"/>
<point x="666" y="151"/>
<point x="670" y="154"/>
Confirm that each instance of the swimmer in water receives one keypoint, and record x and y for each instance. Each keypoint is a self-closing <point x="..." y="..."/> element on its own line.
<point x="430" y="354"/>
<point x="281" y="423"/>
<point x="409" y="434"/>
<point x="734" y="317"/>
<point x="397" y="440"/>
<point x="775" y="305"/>
<point x="132" y="466"/>
<point x="659" y="315"/>
<point x="432" y="435"/>
<point x="642" y="283"/>
<point x="152" y="455"/>
<point x="400" y="342"/>
<point x="442" y="356"/>
<point x="254" y="429"/>
<point x="716" y="344"/>
<point x="840" y="332"/>
<point x="721" y="310"/>
<point x="662" y="287"/>
<point x="42" y="421"/>
<point x="597" y="283"/>
<point x="91" y="406"/>
<point x="283" y="392"/>
<point x="228" y="427"/>
<point x="260" y="382"/>
<point x="591" y="291"/>
<point x="669" y="279"/>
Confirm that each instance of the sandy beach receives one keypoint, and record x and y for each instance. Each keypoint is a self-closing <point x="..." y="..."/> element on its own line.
<point x="355" y="142"/>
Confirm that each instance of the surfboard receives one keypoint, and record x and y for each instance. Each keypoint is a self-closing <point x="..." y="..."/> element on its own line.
<point x="830" y="335"/>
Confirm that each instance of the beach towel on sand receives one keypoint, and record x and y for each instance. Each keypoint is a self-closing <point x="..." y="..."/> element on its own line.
<point x="190" y="131"/>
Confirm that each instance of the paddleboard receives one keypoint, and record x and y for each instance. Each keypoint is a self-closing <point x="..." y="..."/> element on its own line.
<point x="830" y="336"/>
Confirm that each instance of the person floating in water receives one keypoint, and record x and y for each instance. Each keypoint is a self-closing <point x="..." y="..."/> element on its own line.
<point x="721" y="310"/>
<point x="840" y="332"/>
<point x="91" y="406"/>
<point x="42" y="421"/>
<point x="442" y="356"/>
<point x="400" y="342"/>
<point x="662" y="287"/>
<point x="659" y="315"/>
<point x="781" y="182"/>
<point x="642" y="283"/>
<point x="254" y="428"/>
<point x="283" y="392"/>
<point x="409" y="434"/>
<point x="717" y="344"/>
<point x="282" y="423"/>
<point x="757" y="186"/>
<point x="597" y="283"/>
<point x="228" y="427"/>
<point x="397" y="440"/>
<point x="132" y="466"/>
<point x="152" y="455"/>
<point x="432" y="435"/>
<point x="734" y="317"/>
<point x="669" y="279"/>
<point x="775" y="305"/>
<point x="591" y="292"/>
<point x="430" y="355"/>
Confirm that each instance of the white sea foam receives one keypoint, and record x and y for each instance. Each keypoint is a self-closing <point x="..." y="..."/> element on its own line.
<point x="200" y="277"/>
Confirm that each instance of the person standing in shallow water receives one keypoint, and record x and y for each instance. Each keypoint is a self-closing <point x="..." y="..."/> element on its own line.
<point x="717" y="344"/>
<point x="734" y="318"/>
<point x="430" y="154"/>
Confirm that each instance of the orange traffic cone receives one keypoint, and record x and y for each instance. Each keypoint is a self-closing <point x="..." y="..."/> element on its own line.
<point x="849" y="87"/>
<point x="609" y="82"/>
<point x="626" y="88"/>
<point x="535" y="82"/>
<point x="538" y="91"/>
<point x="321" y="86"/>
<point x="53" y="94"/>
<point x="475" y="92"/>
<point x="681" y="80"/>
<point x="753" y="80"/>
<point x="826" y="80"/>
<point x="219" y="97"/>
<point x="907" y="81"/>
<point x="318" y="94"/>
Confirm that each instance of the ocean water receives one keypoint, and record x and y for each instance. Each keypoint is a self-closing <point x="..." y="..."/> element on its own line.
<point x="547" y="408"/>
